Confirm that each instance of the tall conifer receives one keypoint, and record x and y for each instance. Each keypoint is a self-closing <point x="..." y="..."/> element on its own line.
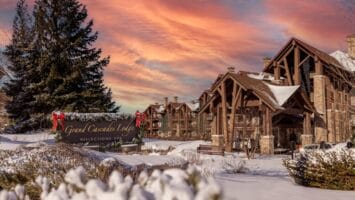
<point x="19" y="56"/>
<point x="70" y="68"/>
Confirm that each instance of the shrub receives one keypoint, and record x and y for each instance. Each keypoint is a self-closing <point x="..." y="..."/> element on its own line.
<point x="329" y="170"/>
<point x="233" y="166"/>
<point x="192" y="157"/>
<point x="170" y="184"/>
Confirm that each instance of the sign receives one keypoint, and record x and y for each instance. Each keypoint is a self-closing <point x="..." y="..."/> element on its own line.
<point x="99" y="131"/>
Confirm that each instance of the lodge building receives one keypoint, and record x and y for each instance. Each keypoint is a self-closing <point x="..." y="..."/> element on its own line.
<point x="171" y="120"/>
<point x="301" y="91"/>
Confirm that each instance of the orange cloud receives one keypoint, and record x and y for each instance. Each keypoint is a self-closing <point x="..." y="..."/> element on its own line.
<point x="173" y="48"/>
<point x="165" y="48"/>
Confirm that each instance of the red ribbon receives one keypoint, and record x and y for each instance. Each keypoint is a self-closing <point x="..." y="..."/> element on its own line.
<point x="55" y="118"/>
<point x="142" y="117"/>
<point x="138" y="119"/>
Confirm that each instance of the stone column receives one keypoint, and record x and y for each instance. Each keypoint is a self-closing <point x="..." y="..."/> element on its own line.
<point x="217" y="140"/>
<point x="320" y="103"/>
<point x="267" y="144"/>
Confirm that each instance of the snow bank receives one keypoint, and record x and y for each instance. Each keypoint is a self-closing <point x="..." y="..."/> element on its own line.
<point x="14" y="141"/>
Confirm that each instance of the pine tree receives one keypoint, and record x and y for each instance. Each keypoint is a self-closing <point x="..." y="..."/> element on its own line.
<point x="18" y="54"/>
<point x="70" y="70"/>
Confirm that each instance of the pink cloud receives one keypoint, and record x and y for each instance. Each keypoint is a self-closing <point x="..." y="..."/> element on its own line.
<point x="324" y="23"/>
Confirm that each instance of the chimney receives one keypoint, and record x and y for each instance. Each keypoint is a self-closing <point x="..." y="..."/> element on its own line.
<point x="266" y="61"/>
<point x="351" y="45"/>
<point x="175" y="99"/>
<point x="230" y="69"/>
<point x="166" y="101"/>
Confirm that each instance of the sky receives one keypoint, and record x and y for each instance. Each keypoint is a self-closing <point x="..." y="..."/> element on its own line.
<point x="167" y="48"/>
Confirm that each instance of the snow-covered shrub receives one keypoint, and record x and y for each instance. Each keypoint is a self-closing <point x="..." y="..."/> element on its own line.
<point x="192" y="157"/>
<point x="331" y="169"/>
<point x="171" y="184"/>
<point x="233" y="166"/>
<point x="23" y="166"/>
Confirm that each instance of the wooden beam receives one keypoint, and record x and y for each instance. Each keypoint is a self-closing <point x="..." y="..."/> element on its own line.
<point x="224" y="113"/>
<point x="319" y="66"/>
<point x="268" y="122"/>
<point x="304" y="60"/>
<point x="234" y="105"/>
<point x="286" y="54"/>
<point x="288" y="73"/>
<point x="307" y="124"/>
<point x="297" y="70"/>
<point x="252" y="103"/>
<point x="276" y="70"/>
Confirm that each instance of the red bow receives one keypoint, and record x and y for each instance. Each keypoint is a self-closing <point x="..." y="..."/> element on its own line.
<point x="138" y="119"/>
<point x="55" y="118"/>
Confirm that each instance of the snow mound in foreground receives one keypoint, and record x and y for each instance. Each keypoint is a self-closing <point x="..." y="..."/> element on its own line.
<point x="169" y="184"/>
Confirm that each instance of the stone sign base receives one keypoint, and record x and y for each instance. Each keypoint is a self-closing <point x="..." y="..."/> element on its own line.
<point x="267" y="144"/>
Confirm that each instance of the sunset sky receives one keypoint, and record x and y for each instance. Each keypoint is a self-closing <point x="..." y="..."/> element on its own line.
<point x="177" y="48"/>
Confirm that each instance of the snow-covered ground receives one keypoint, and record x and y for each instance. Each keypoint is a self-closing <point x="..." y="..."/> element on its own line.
<point x="13" y="141"/>
<point x="265" y="177"/>
<point x="262" y="187"/>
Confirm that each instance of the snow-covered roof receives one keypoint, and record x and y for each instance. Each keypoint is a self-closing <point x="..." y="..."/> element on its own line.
<point x="161" y="108"/>
<point x="261" y="84"/>
<point x="262" y="76"/>
<point x="194" y="106"/>
<point x="344" y="59"/>
<point x="282" y="93"/>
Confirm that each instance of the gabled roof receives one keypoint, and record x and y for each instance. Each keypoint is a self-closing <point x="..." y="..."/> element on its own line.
<point x="204" y="92"/>
<point x="194" y="106"/>
<point x="273" y="95"/>
<point x="157" y="107"/>
<point x="312" y="50"/>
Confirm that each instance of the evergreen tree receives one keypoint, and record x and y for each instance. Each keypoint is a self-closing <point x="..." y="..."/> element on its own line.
<point x="19" y="56"/>
<point x="69" y="69"/>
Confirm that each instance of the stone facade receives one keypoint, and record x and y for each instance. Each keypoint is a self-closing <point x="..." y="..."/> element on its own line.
<point x="319" y="103"/>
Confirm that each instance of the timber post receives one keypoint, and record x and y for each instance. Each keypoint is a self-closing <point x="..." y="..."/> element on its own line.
<point x="307" y="137"/>
<point x="267" y="139"/>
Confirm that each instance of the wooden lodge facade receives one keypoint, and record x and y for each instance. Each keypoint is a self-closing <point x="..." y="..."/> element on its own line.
<point x="302" y="92"/>
<point x="170" y="120"/>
